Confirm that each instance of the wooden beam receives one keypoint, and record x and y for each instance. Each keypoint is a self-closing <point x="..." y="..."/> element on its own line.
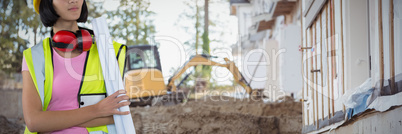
<point x="264" y="25"/>
<point x="328" y="78"/>
<point x="315" y="67"/>
<point x="308" y="117"/>
<point x="391" y="46"/>
<point x="283" y="8"/>
<point x="343" y="56"/>
<point x="308" y="87"/>
<point x="302" y="55"/>
<point x="233" y="10"/>
<point x="322" y="83"/>
<point x="312" y="75"/>
<point x="307" y="78"/>
<point x="380" y="33"/>
<point x="333" y="54"/>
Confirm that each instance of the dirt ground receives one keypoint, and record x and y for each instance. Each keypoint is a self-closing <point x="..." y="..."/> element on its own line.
<point x="220" y="114"/>
<point x="7" y="127"/>
<point x="217" y="114"/>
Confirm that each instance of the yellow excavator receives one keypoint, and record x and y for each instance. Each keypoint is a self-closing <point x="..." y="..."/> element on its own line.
<point x="144" y="81"/>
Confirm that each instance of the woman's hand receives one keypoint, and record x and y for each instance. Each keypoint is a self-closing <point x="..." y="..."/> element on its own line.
<point x="110" y="104"/>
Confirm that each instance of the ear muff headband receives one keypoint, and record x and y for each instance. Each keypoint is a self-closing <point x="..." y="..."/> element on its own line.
<point x="79" y="40"/>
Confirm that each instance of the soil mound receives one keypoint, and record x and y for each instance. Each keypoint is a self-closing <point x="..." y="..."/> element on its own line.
<point x="221" y="115"/>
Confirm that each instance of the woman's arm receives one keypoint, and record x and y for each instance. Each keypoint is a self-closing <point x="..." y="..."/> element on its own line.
<point x="98" y="122"/>
<point x="46" y="121"/>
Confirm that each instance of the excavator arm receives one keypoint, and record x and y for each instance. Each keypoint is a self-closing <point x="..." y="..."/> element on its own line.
<point x="205" y="60"/>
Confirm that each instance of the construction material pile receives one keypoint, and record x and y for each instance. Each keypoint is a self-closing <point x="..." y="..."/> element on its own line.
<point x="220" y="114"/>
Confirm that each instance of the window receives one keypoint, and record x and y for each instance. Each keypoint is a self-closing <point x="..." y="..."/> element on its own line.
<point x="142" y="59"/>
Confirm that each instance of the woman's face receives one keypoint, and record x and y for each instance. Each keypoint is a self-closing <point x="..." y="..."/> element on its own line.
<point x="69" y="10"/>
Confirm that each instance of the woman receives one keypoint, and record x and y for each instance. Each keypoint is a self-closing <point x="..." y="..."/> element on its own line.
<point x="63" y="89"/>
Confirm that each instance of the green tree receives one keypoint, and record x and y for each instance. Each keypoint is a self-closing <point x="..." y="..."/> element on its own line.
<point x="16" y="19"/>
<point x="197" y="11"/>
<point x="130" y="22"/>
<point x="95" y="9"/>
<point x="192" y="13"/>
<point x="206" y="70"/>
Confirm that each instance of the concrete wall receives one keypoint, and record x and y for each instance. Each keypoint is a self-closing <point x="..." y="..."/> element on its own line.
<point x="11" y="97"/>
<point x="388" y="122"/>
<point x="11" y="104"/>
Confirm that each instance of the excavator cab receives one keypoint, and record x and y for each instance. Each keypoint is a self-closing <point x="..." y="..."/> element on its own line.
<point x="143" y="74"/>
<point x="143" y="56"/>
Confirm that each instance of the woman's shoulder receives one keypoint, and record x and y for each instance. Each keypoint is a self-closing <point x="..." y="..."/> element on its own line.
<point x="38" y="44"/>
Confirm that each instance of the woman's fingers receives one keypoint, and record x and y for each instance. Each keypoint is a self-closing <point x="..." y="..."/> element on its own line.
<point x="120" y="98"/>
<point x="117" y="93"/>
<point x="126" y="103"/>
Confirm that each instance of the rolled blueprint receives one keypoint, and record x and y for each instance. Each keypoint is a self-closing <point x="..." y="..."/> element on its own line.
<point x="111" y="74"/>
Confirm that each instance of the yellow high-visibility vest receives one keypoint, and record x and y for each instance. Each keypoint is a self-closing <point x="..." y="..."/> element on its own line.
<point x="40" y="65"/>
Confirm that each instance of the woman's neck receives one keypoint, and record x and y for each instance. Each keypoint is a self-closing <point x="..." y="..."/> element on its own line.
<point x="65" y="25"/>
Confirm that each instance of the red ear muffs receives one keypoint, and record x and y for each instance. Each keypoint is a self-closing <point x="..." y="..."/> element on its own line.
<point x="84" y="40"/>
<point x="68" y="41"/>
<point x="64" y="41"/>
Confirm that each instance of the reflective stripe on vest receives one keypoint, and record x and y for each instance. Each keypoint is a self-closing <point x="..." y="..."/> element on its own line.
<point x="40" y="64"/>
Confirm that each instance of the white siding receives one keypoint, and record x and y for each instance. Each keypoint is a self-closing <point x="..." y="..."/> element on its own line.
<point x="291" y="80"/>
<point x="397" y="35"/>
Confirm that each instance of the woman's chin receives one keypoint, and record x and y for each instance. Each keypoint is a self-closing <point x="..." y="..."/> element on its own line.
<point x="70" y="19"/>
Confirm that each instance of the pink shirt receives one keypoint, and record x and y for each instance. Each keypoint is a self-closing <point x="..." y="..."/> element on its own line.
<point x="67" y="75"/>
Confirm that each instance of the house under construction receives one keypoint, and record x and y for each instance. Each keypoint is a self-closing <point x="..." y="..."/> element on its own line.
<point x="342" y="59"/>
